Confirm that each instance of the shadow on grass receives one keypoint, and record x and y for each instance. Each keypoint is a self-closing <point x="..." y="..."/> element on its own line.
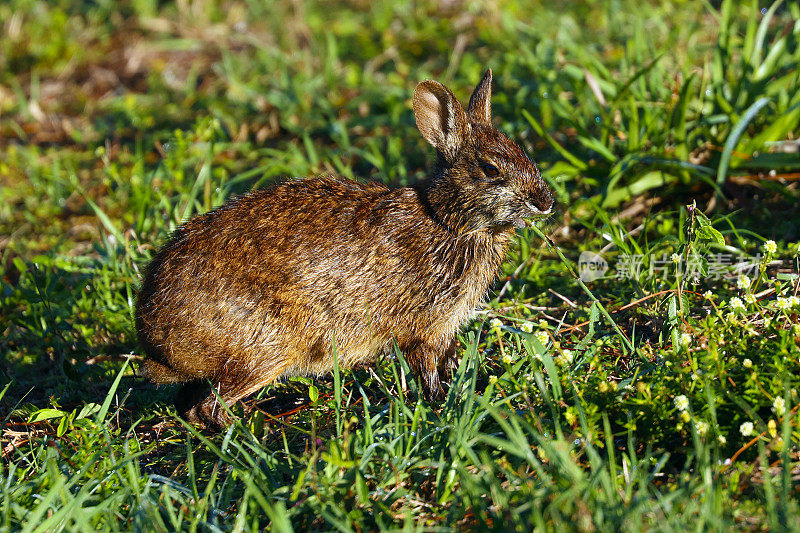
<point x="67" y="331"/>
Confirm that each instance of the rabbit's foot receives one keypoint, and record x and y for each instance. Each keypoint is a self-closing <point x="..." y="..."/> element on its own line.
<point x="427" y="359"/>
<point x="209" y="413"/>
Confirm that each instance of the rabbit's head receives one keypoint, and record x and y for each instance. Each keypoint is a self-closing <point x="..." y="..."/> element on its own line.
<point x="483" y="180"/>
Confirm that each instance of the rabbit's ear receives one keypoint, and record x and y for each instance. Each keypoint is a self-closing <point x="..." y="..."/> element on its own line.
<point x="480" y="103"/>
<point x="440" y="118"/>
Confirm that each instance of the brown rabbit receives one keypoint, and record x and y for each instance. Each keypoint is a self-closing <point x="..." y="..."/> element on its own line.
<point x="263" y="286"/>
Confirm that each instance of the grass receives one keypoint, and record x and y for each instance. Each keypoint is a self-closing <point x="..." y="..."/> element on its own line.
<point x="660" y="396"/>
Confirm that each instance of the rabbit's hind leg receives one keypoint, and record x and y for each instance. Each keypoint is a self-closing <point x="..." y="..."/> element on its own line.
<point x="161" y="372"/>
<point x="231" y="387"/>
<point x="448" y="364"/>
<point x="190" y="394"/>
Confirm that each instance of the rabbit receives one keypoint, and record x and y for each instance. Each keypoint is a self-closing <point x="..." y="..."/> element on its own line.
<point x="269" y="284"/>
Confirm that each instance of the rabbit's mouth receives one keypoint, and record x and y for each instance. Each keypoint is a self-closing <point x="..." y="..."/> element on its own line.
<point x="533" y="214"/>
<point x="520" y="223"/>
<point x="520" y="215"/>
<point x="529" y="220"/>
<point x="528" y="216"/>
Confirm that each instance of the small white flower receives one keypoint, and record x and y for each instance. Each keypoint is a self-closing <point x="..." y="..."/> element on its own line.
<point x="694" y="377"/>
<point x="542" y="337"/>
<point x="686" y="339"/>
<point x="746" y="429"/>
<point x="736" y="304"/>
<point x="722" y="440"/>
<point x="779" y="406"/>
<point x="783" y="304"/>
<point x="794" y="301"/>
<point x="708" y="295"/>
<point x="527" y="327"/>
<point x="507" y="359"/>
<point x="770" y="247"/>
<point x="567" y="355"/>
<point x="492" y="379"/>
<point x="747" y="363"/>
<point x="701" y="426"/>
<point x="495" y="323"/>
<point x="750" y="298"/>
<point x="676" y="258"/>
<point x="681" y="402"/>
<point x="743" y="282"/>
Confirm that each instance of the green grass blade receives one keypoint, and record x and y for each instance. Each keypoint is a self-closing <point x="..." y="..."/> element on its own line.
<point x="733" y="138"/>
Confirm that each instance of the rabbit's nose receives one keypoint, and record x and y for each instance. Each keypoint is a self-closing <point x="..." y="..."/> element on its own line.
<point x="541" y="201"/>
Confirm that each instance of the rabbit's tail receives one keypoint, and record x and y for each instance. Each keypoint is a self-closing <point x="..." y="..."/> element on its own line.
<point x="160" y="373"/>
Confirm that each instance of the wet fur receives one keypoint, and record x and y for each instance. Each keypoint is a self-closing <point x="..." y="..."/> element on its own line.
<point x="263" y="286"/>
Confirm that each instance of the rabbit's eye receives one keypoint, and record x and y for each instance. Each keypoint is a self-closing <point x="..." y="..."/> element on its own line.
<point x="490" y="170"/>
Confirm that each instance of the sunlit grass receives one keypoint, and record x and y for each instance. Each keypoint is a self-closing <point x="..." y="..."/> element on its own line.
<point x="661" y="395"/>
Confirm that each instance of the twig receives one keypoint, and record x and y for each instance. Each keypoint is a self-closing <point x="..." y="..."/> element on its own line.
<point x="626" y="306"/>
<point x="564" y="298"/>
<point x="512" y="276"/>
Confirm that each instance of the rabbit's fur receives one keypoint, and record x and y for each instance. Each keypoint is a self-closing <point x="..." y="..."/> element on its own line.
<point x="266" y="285"/>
